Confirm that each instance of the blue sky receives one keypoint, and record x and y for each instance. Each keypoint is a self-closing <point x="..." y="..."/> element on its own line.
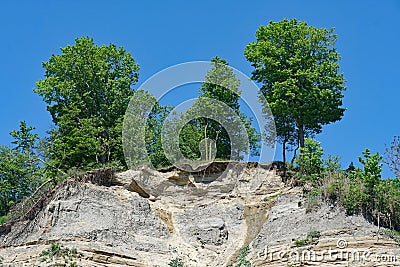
<point x="163" y="33"/>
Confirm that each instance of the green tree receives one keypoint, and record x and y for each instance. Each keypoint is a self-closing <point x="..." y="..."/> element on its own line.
<point x="310" y="162"/>
<point x="392" y="158"/>
<point x="371" y="174"/>
<point x="24" y="139"/>
<point x="142" y="130"/>
<point x="221" y="84"/>
<point x="298" y="67"/>
<point x="87" y="89"/>
<point x="20" y="168"/>
<point x="153" y="132"/>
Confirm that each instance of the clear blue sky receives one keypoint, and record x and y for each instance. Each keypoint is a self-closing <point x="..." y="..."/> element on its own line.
<point x="163" y="33"/>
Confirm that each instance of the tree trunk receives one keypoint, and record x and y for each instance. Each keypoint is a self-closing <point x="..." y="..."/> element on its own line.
<point x="301" y="135"/>
<point x="295" y="153"/>
<point x="205" y="141"/>
<point x="284" y="156"/>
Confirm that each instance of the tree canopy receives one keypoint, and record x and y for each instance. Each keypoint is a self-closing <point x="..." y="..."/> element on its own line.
<point x="20" y="169"/>
<point x="222" y="85"/>
<point x="87" y="89"/>
<point x="298" y="68"/>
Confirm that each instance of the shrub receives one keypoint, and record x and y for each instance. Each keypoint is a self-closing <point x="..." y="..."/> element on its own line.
<point x="353" y="197"/>
<point x="3" y="219"/>
<point x="177" y="262"/>
<point x="313" y="199"/>
<point x="300" y="242"/>
<point x="241" y="258"/>
<point x="312" y="238"/>
<point x="310" y="161"/>
<point x="57" y="252"/>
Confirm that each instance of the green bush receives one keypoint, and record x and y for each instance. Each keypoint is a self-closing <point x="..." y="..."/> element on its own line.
<point x="310" y="161"/>
<point x="353" y="197"/>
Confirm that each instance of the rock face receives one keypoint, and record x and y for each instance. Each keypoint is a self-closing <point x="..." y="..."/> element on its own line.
<point x="204" y="219"/>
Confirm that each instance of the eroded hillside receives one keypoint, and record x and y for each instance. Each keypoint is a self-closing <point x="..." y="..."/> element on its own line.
<point x="202" y="219"/>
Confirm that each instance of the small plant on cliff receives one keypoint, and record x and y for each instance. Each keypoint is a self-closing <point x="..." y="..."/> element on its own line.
<point x="241" y="258"/>
<point x="58" y="252"/>
<point x="300" y="242"/>
<point x="312" y="238"/>
<point x="177" y="262"/>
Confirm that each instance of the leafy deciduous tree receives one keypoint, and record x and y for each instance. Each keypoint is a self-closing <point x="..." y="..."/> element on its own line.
<point x="298" y="67"/>
<point x="222" y="85"/>
<point x="87" y="89"/>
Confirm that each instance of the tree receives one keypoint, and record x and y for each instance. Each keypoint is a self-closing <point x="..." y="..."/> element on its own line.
<point x="20" y="169"/>
<point x="298" y="68"/>
<point x="310" y="161"/>
<point x="392" y="158"/>
<point x="87" y="89"/>
<point x="222" y="85"/>
<point x="25" y="140"/>
<point x="142" y="129"/>
<point x="371" y="174"/>
<point x="153" y="132"/>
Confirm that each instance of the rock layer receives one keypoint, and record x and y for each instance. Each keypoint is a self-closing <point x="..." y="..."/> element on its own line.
<point x="113" y="221"/>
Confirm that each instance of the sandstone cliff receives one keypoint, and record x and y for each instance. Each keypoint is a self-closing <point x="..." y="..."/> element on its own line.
<point x="111" y="219"/>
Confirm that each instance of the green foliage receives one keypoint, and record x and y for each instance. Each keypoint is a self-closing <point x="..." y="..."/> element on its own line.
<point x="142" y="130"/>
<point x="354" y="196"/>
<point x="392" y="232"/>
<point x="312" y="238"/>
<point x="241" y="259"/>
<point x="222" y="85"/>
<point x="310" y="161"/>
<point x="392" y="158"/>
<point x="87" y="89"/>
<point x="57" y="252"/>
<point x="314" y="235"/>
<point x="300" y="242"/>
<point x="372" y="170"/>
<point x="177" y="262"/>
<point x="4" y="218"/>
<point x="24" y="140"/>
<point x="153" y="131"/>
<point x="361" y="190"/>
<point x="313" y="199"/>
<point x="20" y="168"/>
<point x="332" y="164"/>
<point x="298" y="67"/>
